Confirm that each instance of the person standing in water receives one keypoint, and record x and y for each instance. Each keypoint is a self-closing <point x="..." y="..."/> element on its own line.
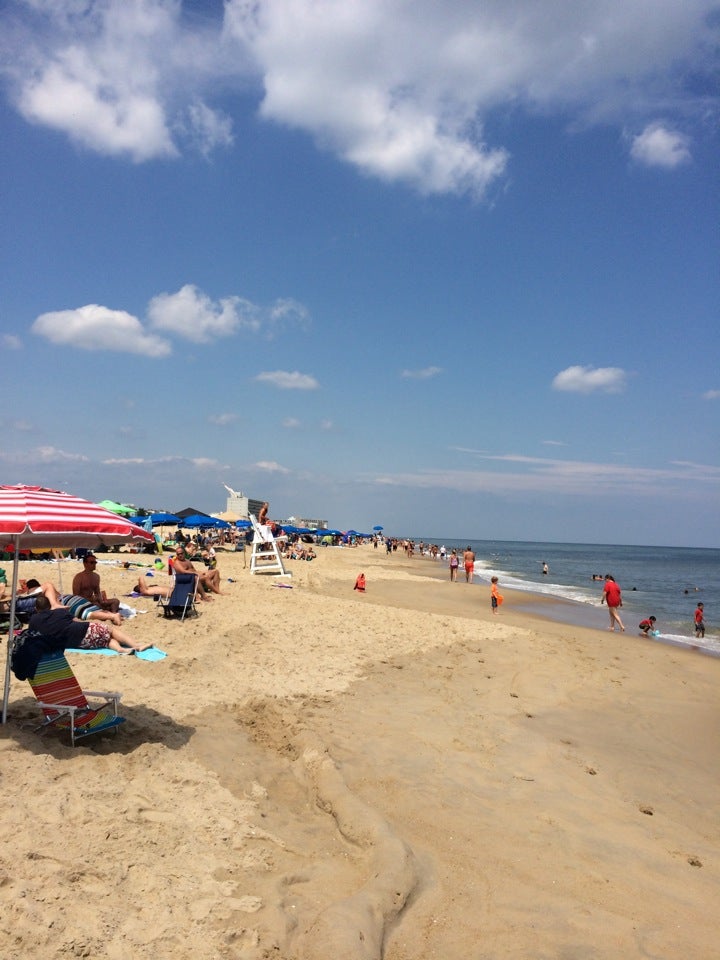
<point x="612" y="595"/>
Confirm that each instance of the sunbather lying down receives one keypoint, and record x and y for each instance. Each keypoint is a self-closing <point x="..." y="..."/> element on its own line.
<point x="150" y="589"/>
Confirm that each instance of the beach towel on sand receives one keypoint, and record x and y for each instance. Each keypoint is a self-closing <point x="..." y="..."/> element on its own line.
<point x="151" y="654"/>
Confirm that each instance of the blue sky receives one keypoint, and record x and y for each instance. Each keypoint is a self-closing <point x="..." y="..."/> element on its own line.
<point x="451" y="268"/>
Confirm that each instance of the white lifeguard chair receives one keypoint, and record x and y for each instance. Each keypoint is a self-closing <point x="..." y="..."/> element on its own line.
<point x="266" y="556"/>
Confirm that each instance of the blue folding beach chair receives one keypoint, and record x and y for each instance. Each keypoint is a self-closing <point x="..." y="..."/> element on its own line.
<point x="181" y="602"/>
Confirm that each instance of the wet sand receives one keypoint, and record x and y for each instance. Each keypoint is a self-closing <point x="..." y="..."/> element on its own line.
<point x="321" y="775"/>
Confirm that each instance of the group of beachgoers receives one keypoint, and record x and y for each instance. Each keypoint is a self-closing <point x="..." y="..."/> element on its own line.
<point x="207" y="581"/>
<point x="86" y="619"/>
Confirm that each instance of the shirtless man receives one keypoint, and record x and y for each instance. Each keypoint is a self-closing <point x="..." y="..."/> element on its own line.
<point x="181" y="564"/>
<point x="469" y="561"/>
<point x="87" y="584"/>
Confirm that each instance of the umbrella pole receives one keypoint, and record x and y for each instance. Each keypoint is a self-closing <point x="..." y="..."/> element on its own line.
<point x="11" y="631"/>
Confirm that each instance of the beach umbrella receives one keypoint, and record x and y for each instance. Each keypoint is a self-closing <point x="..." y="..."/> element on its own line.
<point x="377" y="528"/>
<point x="243" y="524"/>
<point x="156" y="520"/>
<point x="200" y="520"/>
<point x="118" y="508"/>
<point x="164" y="519"/>
<point x="37" y="517"/>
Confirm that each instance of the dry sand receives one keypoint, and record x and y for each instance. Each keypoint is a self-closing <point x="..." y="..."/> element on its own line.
<point x="315" y="774"/>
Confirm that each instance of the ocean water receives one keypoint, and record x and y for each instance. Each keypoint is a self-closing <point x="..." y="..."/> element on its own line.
<point x="665" y="582"/>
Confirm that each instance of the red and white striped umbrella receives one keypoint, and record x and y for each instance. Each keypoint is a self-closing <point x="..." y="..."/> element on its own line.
<point x="38" y="517"/>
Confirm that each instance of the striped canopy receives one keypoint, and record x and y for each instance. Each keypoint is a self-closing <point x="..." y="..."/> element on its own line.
<point x="38" y="517"/>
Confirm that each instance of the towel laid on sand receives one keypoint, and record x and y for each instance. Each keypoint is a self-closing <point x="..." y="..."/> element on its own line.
<point x="151" y="654"/>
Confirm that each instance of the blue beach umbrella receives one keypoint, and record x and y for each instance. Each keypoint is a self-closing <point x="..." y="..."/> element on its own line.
<point x="377" y="528"/>
<point x="163" y="519"/>
<point x="198" y="520"/>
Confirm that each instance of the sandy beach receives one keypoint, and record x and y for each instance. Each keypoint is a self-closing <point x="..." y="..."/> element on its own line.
<point x="314" y="774"/>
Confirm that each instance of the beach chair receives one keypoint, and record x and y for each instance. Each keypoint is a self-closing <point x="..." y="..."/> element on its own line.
<point x="65" y="704"/>
<point x="181" y="602"/>
<point x="266" y="556"/>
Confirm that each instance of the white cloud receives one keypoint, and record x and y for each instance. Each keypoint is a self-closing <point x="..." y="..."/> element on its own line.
<point x="427" y="373"/>
<point x="210" y="128"/>
<point x="22" y="426"/>
<point x="659" y="146"/>
<point x="711" y="395"/>
<point x="412" y="83"/>
<point x="590" y="380"/>
<point x="93" y="327"/>
<point x="223" y="419"/>
<point x="48" y="454"/>
<point x="199" y="462"/>
<point x="536" y="475"/>
<point x="400" y="90"/>
<point x="11" y="342"/>
<point x="191" y="314"/>
<point x="117" y="76"/>
<point x="291" y="423"/>
<point x="285" y="380"/>
<point x="270" y="466"/>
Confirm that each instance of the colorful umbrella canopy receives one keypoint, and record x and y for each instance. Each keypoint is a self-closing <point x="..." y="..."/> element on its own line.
<point x="118" y="508"/>
<point x="38" y="517"/>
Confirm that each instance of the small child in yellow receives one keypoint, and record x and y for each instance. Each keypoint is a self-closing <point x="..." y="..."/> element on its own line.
<point x="496" y="597"/>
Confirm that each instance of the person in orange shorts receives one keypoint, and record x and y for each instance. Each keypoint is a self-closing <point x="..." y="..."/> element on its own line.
<point x="469" y="562"/>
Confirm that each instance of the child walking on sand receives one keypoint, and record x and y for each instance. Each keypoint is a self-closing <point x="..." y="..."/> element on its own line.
<point x="495" y="596"/>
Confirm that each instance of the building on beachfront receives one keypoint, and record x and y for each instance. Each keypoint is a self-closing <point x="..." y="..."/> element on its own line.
<point x="307" y="522"/>
<point x="240" y="505"/>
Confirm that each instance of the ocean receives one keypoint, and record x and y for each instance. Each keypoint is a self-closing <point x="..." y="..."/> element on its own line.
<point x="665" y="582"/>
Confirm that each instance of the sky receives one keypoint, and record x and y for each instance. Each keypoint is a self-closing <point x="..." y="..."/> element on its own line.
<point x="450" y="267"/>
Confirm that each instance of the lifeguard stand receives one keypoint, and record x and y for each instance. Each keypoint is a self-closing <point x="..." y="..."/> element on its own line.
<point x="266" y="556"/>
